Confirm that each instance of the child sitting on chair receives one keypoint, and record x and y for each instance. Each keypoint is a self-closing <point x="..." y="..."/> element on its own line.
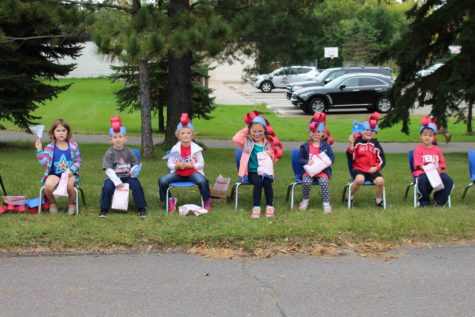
<point x="426" y="153"/>
<point x="185" y="162"/>
<point x="367" y="157"/>
<point x="117" y="163"/>
<point x="60" y="156"/>
<point x="318" y="137"/>
<point x="258" y="142"/>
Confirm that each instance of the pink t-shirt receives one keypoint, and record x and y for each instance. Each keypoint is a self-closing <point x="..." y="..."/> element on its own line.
<point x="313" y="150"/>
<point x="424" y="155"/>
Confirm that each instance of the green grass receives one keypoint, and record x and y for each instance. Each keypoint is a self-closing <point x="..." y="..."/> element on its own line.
<point x="89" y="103"/>
<point x="224" y="226"/>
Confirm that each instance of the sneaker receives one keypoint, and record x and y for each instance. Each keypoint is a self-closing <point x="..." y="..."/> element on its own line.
<point x="103" y="213"/>
<point x="142" y="213"/>
<point x="303" y="206"/>
<point x="172" y="204"/>
<point x="256" y="212"/>
<point x="380" y="204"/>
<point x="53" y="210"/>
<point x="72" y="210"/>
<point x="270" y="211"/>
<point x="327" y="208"/>
<point x="208" y="205"/>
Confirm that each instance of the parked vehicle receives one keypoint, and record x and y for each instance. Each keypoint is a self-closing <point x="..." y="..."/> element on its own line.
<point x="349" y="91"/>
<point x="283" y="76"/>
<point x="331" y="73"/>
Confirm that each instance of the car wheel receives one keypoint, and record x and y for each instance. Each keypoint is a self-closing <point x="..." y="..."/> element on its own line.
<point x="316" y="104"/>
<point x="384" y="105"/>
<point x="267" y="86"/>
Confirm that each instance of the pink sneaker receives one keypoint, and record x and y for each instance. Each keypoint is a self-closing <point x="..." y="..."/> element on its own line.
<point x="303" y="206"/>
<point x="172" y="204"/>
<point x="256" y="213"/>
<point x="270" y="212"/>
<point x="327" y="208"/>
<point x="208" y="205"/>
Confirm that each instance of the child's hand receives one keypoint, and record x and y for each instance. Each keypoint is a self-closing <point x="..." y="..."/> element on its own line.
<point x="373" y="170"/>
<point x="180" y="165"/>
<point x="38" y="145"/>
<point x="70" y="173"/>
<point x="269" y="152"/>
<point x="121" y="185"/>
<point x="310" y="162"/>
<point x="351" y="139"/>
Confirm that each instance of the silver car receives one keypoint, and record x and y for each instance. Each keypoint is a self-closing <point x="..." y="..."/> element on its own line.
<point x="283" y="76"/>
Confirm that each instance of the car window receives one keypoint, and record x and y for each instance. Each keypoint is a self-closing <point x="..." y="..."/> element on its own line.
<point x="303" y="70"/>
<point x="286" y="72"/>
<point x="334" y="75"/>
<point x="371" y="82"/>
<point x="352" y="82"/>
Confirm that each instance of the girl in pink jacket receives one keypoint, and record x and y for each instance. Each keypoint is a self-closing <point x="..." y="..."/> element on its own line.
<point x="254" y="141"/>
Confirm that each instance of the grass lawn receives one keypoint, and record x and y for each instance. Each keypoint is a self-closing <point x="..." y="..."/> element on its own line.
<point x="89" y="103"/>
<point x="225" y="227"/>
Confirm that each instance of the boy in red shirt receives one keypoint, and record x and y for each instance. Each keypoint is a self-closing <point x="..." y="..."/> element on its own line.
<point x="185" y="163"/>
<point x="368" y="159"/>
<point x="426" y="153"/>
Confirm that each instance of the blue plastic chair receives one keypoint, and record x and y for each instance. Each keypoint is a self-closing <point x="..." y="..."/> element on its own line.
<point x="471" y="168"/>
<point x="178" y="185"/>
<point x="410" y="156"/>
<point x="240" y="182"/>
<point x="350" y="183"/>
<point x="298" y="172"/>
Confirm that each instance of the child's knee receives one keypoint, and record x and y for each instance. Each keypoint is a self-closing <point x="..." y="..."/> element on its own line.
<point x="379" y="181"/>
<point x="359" y="179"/>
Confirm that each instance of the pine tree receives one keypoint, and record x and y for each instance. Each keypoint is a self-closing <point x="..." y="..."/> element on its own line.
<point x="34" y="34"/>
<point x="435" y="26"/>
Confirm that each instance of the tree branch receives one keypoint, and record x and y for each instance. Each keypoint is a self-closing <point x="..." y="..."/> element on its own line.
<point x="37" y="37"/>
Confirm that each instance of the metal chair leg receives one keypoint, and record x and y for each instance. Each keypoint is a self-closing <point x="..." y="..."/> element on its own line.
<point x="288" y="192"/>
<point x="237" y="196"/>
<point x="292" y="195"/>
<point x="343" y="193"/>
<point x="77" y="201"/>
<point x="40" y="197"/>
<point x="349" y="195"/>
<point x="465" y="190"/>
<point x="384" y="197"/>
<point x="83" y="198"/>
<point x="407" y="190"/>
<point x="3" y="186"/>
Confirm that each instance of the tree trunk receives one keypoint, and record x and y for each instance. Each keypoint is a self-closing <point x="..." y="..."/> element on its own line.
<point x="145" y="109"/>
<point x="179" y="81"/>
<point x="161" y="118"/>
<point x="469" y="116"/>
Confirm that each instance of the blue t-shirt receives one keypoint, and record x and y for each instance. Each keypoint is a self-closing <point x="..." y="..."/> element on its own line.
<point x="253" y="163"/>
<point x="61" y="161"/>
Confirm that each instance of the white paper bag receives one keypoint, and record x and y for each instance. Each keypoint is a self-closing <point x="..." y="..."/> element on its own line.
<point x="433" y="176"/>
<point x="265" y="164"/>
<point x="120" y="200"/>
<point x="62" y="189"/>
<point x="222" y="183"/>
<point x="191" y="208"/>
<point x="320" y="162"/>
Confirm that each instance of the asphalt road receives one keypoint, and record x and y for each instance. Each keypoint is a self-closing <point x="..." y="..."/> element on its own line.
<point x="416" y="282"/>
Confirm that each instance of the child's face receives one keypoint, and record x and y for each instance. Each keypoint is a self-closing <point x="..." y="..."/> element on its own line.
<point x="369" y="134"/>
<point x="60" y="133"/>
<point x="427" y="137"/>
<point x="185" y="135"/>
<point x="317" y="135"/>
<point x="118" y="140"/>
<point x="257" y="132"/>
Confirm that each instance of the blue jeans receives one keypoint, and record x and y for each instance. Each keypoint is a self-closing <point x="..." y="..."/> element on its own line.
<point x="195" y="178"/>
<point x="440" y="197"/>
<point x="259" y="182"/>
<point x="134" y="185"/>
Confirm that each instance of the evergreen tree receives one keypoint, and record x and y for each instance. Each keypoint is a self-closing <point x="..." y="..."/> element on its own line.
<point x="435" y="26"/>
<point x="34" y="34"/>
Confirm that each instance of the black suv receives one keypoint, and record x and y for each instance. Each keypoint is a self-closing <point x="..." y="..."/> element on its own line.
<point x="350" y="91"/>
<point x="331" y="73"/>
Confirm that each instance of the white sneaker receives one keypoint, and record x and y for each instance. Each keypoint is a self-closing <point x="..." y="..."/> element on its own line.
<point x="256" y="213"/>
<point x="303" y="206"/>
<point x="72" y="211"/>
<point x="327" y="208"/>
